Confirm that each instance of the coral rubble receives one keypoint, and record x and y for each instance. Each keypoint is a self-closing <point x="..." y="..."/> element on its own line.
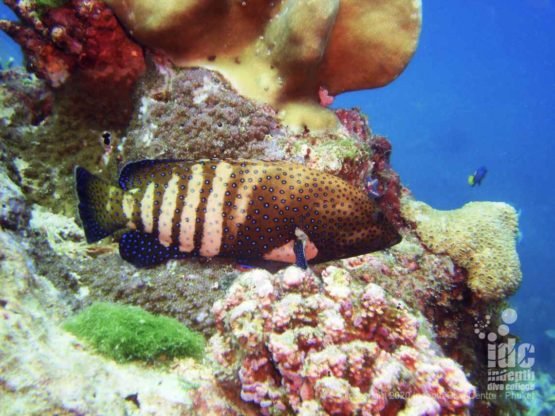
<point x="481" y="237"/>
<point x="333" y="346"/>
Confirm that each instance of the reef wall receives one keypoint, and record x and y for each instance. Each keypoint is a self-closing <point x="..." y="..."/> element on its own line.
<point x="390" y="332"/>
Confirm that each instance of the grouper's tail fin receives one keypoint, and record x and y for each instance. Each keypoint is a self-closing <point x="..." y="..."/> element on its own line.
<point x="100" y="205"/>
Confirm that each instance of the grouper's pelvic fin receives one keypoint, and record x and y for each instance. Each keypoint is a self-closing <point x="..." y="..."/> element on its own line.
<point x="100" y="205"/>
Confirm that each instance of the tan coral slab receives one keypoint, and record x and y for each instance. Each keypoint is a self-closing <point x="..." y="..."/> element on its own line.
<point x="282" y="51"/>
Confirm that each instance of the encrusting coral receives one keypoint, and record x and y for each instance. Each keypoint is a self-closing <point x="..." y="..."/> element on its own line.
<point x="283" y="51"/>
<point x="195" y="113"/>
<point x="480" y="237"/>
<point x="293" y="342"/>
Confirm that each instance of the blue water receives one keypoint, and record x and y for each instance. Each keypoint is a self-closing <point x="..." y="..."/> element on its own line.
<point x="8" y="48"/>
<point x="479" y="91"/>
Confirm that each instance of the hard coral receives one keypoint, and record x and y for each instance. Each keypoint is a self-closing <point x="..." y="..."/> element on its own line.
<point x="81" y="35"/>
<point x="45" y="371"/>
<point x="196" y="114"/>
<point x="389" y="183"/>
<point x="333" y="346"/>
<point x="282" y="51"/>
<point x="480" y="237"/>
<point x="340" y="154"/>
<point x="427" y="282"/>
<point x="355" y="122"/>
<point x="14" y="212"/>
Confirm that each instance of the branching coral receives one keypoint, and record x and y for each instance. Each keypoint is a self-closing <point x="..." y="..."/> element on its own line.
<point x="480" y="237"/>
<point x="294" y="342"/>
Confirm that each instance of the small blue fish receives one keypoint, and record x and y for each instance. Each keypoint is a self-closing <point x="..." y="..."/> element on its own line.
<point x="478" y="176"/>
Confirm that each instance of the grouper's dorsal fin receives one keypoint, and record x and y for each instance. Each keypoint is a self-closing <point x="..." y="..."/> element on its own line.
<point x="143" y="168"/>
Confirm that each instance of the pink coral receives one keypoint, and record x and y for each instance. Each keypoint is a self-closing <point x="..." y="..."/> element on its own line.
<point x="293" y="341"/>
<point x="389" y="181"/>
<point x="355" y="122"/>
<point x="429" y="283"/>
<point x="324" y="97"/>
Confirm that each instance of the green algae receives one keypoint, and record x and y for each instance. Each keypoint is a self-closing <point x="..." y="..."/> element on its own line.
<point x="49" y="4"/>
<point x="127" y="333"/>
<point x="340" y="148"/>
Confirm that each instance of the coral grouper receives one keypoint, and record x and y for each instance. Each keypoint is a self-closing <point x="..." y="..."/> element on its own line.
<point x="276" y="211"/>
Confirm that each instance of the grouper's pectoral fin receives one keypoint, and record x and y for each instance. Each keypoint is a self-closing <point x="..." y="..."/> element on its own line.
<point x="297" y="251"/>
<point x="300" y="257"/>
<point x="145" y="250"/>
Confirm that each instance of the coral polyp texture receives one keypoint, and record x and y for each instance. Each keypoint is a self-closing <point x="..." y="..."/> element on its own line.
<point x="283" y="50"/>
<point x="195" y="113"/>
<point x="480" y="237"/>
<point x="293" y="342"/>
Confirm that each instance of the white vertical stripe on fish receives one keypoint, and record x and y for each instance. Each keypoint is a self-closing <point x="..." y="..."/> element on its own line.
<point x="169" y="202"/>
<point x="112" y="192"/>
<point x="128" y="205"/>
<point x="146" y="208"/>
<point x="238" y="214"/>
<point x="189" y="213"/>
<point x="213" y="220"/>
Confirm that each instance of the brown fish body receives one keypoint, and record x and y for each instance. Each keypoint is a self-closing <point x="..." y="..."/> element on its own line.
<point x="242" y="209"/>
